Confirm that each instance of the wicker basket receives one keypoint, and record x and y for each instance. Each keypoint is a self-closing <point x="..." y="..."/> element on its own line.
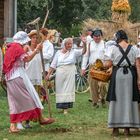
<point x="100" y="75"/>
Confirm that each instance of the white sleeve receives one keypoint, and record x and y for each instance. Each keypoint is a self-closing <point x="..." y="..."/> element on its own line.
<point x="85" y="59"/>
<point x="48" y="53"/>
<point x="54" y="61"/>
<point x="108" y="53"/>
<point x="78" y="51"/>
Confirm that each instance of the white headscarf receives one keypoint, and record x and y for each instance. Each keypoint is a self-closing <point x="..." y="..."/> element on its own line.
<point x="21" y="37"/>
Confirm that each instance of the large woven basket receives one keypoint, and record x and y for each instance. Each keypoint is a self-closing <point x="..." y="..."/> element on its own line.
<point x="100" y="75"/>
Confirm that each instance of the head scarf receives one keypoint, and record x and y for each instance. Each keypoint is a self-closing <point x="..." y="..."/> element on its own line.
<point x="14" y="51"/>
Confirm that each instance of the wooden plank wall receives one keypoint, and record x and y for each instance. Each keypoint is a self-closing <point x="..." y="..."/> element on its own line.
<point x="1" y="20"/>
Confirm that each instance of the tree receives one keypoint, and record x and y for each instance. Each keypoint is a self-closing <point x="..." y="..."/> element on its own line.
<point x="135" y="10"/>
<point x="29" y="10"/>
<point x="67" y="15"/>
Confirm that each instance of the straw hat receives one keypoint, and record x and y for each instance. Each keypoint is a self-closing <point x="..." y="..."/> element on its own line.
<point x="34" y="32"/>
<point x="21" y="37"/>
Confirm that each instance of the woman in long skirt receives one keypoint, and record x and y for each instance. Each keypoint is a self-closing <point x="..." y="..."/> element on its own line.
<point x="24" y="102"/>
<point x="64" y="63"/>
<point x="123" y="93"/>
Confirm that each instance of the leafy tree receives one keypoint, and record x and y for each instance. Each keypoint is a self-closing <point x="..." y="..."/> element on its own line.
<point x="97" y="9"/>
<point x="135" y="13"/>
<point x="67" y="15"/>
<point x="30" y="10"/>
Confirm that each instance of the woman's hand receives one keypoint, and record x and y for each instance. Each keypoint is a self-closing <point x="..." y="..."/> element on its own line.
<point x="83" y="72"/>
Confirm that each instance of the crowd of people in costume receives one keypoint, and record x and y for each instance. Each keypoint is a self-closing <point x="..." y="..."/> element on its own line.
<point x="22" y="67"/>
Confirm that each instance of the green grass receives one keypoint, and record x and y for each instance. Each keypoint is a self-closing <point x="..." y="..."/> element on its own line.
<point x="83" y="122"/>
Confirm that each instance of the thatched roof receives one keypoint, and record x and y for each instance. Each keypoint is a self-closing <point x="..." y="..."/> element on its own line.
<point x="109" y="27"/>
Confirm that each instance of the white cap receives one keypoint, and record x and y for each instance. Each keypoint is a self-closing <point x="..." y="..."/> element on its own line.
<point x="21" y="37"/>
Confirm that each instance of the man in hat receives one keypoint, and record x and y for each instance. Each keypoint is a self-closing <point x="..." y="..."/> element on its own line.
<point x="95" y="51"/>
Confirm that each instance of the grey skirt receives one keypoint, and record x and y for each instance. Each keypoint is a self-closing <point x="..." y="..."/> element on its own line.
<point x="124" y="111"/>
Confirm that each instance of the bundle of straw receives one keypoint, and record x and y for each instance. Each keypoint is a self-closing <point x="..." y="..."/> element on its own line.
<point x="121" y="6"/>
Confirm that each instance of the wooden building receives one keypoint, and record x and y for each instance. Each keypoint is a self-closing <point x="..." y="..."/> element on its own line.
<point x="8" y="22"/>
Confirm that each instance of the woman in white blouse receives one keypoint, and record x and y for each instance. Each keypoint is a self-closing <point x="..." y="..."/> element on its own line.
<point x="123" y="93"/>
<point x="64" y="63"/>
<point x="34" y="67"/>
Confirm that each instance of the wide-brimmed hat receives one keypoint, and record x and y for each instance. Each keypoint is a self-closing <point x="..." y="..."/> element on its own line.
<point x="34" y="32"/>
<point x="21" y="37"/>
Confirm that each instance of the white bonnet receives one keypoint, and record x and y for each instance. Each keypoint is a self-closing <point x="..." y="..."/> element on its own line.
<point x="21" y="37"/>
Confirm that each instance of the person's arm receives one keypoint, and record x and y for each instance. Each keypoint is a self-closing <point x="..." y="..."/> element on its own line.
<point x="50" y="71"/>
<point x="80" y="50"/>
<point x="107" y="63"/>
<point x="52" y="66"/>
<point x="31" y="56"/>
<point x="84" y="45"/>
<point x="84" y="48"/>
<point x="85" y="59"/>
<point x="26" y="48"/>
<point x="138" y="71"/>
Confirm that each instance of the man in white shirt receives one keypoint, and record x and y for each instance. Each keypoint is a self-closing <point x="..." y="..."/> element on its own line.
<point x="95" y="51"/>
<point x="48" y="49"/>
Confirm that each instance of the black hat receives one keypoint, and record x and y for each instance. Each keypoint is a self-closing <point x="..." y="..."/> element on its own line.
<point x="97" y="32"/>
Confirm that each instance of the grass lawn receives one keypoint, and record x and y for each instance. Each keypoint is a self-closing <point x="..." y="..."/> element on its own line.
<point x="83" y="122"/>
